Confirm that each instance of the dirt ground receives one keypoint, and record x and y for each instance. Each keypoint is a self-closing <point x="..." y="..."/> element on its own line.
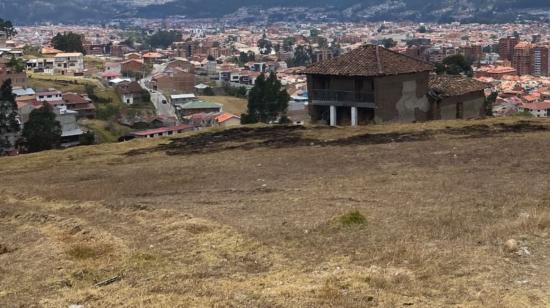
<point x="259" y="217"/>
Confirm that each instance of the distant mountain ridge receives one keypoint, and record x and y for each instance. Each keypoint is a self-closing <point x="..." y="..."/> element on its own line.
<point x="95" y="11"/>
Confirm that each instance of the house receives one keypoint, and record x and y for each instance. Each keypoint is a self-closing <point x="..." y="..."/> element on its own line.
<point x="109" y="75"/>
<point x="132" y="56"/>
<point x="181" y="63"/>
<point x="152" y="57"/>
<point x="456" y="97"/>
<point x="51" y="96"/>
<point x="538" y="110"/>
<point x="174" y="80"/>
<point x="50" y="52"/>
<point x="70" y="131"/>
<point x="113" y="67"/>
<point x="132" y="66"/>
<point x="18" y="79"/>
<point x="41" y="65"/>
<point x="160" y="132"/>
<point x="212" y="119"/>
<point x="81" y="104"/>
<point x="197" y="106"/>
<point x="182" y="98"/>
<point x="369" y="84"/>
<point x="132" y="92"/>
<point x="69" y="63"/>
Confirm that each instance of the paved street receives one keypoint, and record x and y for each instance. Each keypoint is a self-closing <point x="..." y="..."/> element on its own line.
<point x="161" y="103"/>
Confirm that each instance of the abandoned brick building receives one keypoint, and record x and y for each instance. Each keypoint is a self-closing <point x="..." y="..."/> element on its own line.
<point x="372" y="84"/>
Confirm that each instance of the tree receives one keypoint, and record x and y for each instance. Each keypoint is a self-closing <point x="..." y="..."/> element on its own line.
<point x="288" y="43"/>
<point x="163" y="39"/>
<point x="42" y="131"/>
<point x="16" y="64"/>
<point x="454" y="65"/>
<point x="9" y="124"/>
<point x="489" y="102"/>
<point x="389" y="43"/>
<point x="7" y="27"/>
<point x="68" y="42"/>
<point x="302" y="57"/>
<point x="265" y="45"/>
<point x="267" y="101"/>
<point x="245" y="57"/>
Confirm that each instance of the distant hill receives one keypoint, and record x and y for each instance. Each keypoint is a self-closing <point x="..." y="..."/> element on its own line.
<point x="71" y="11"/>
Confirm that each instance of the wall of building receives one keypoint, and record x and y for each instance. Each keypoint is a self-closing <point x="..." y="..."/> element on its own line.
<point x="473" y="106"/>
<point x="402" y="98"/>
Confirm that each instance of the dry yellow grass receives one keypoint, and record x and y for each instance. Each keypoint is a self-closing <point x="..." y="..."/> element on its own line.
<point x="230" y="104"/>
<point x="259" y="221"/>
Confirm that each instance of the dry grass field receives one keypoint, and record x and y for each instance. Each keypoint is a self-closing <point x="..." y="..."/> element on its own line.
<point x="410" y="215"/>
<point x="230" y="104"/>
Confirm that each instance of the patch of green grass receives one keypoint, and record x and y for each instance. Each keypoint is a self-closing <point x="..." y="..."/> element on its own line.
<point x="352" y="219"/>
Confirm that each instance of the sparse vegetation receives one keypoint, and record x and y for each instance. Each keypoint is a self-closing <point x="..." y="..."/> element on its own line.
<point x="439" y="207"/>
<point x="353" y="218"/>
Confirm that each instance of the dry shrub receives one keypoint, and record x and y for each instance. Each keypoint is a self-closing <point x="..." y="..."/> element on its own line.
<point x="83" y="251"/>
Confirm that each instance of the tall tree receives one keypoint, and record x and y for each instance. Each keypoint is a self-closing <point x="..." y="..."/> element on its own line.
<point x="7" y="27"/>
<point x="267" y="101"/>
<point x="42" y="131"/>
<point x="68" y="42"/>
<point x="265" y="45"/>
<point x="9" y="123"/>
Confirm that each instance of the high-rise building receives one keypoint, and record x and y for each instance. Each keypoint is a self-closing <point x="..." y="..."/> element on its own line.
<point x="521" y="59"/>
<point x="540" y="61"/>
<point x="473" y="53"/>
<point x="506" y="47"/>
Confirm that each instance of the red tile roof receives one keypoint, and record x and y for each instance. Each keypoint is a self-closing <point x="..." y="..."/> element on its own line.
<point x="369" y="60"/>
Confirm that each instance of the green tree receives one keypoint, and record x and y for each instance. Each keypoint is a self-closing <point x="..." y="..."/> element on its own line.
<point x="454" y="65"/>
<point x="267" y="101"/>
<point x="16" y="64"/>
<point x="42" y="131"/>
<point x="7" y="27"/>
<point x="9" y="124"/>
<point x="265" y="45"/>
<point x="288" y="43"/>
<point x="302" y="57"/>
<point x="163" y="39"/>
<point x="68" y="42"/>
<point x="389" y="43"/>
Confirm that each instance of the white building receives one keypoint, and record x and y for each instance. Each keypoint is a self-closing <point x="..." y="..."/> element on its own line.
<point x="538" y="110"/>
<point x="69" y="63"/>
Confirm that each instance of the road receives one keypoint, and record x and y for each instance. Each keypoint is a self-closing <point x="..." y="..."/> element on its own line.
<point x="161" y="103"/>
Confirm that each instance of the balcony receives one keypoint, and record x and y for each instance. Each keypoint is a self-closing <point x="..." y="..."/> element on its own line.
<point x="342" y="98"/>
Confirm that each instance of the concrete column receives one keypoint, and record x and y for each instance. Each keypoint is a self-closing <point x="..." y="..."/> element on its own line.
<point x="332" y="115"/>
<point x="353" y="116"/>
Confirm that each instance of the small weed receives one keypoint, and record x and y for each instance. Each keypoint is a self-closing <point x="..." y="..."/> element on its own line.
<point x="352" y="219"/>
<point x="85" y="251"/>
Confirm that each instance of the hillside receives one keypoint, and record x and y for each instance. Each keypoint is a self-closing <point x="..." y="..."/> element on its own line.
<point x="98" y="11"/>
<point x="272" y="217"/>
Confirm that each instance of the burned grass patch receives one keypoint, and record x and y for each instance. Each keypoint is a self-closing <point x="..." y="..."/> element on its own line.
<point x="281" y="137"/>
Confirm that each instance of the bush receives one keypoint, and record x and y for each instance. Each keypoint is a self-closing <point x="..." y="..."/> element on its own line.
<point x="352" y="219"/>
<point x="88" y="138"/>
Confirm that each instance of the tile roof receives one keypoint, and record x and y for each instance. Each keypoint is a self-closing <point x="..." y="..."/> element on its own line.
<point x="369" y="60"/>
<point x="446" y="85"/>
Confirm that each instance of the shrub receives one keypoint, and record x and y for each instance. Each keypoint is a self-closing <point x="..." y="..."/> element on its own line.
<point x="352" y="219"/>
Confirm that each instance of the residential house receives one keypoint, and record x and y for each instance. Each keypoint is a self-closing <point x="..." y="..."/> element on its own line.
<point x="160" y="132"/>
<point x="174" y="80"/>
<point x="456" y="97"/>
<point x="81" y="104"/>
<point x="41" y="65"/>
<point x="132" y="66"/>
<point x="69" y="63"/>
<point x="369" y="84"/>
<point x="132" y="92"/>
<point x="18" y="79"/>
<point x="538" y="110"/>
<point x="196" y="106"/>
<point x="70" y="131"/>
